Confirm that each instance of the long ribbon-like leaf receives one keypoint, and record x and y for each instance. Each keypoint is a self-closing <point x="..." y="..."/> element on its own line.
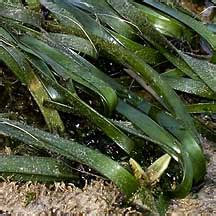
<point x="73" y="151"/>
<point x="166" y="94"/>
<point x="148" y="32"/>
<point x="15" y="60"/>
<point x="187" y="20"/>
<point x="20" y="14"/>
<point x="81" y="108"/>
<point x="28" y="168"/>
<point x="70" y="68"/>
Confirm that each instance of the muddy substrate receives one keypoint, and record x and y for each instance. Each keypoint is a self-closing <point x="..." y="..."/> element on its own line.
<point x="99" y="197"/>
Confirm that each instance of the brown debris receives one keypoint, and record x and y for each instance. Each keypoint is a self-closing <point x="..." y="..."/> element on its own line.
<point x="97" y="198"/>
